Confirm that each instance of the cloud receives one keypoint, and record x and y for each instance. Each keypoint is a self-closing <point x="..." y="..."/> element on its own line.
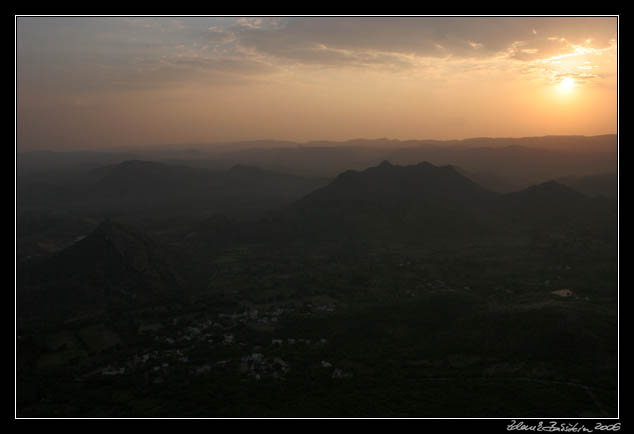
<point x="94" y="53"/>
<point x="253" y="23"/>
<point x="348" y="38"/>
<point x="181" y="70"/>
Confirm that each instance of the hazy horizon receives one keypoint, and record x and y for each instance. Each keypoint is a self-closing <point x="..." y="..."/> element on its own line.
<point x="101" y="82"/>
<point x="218" y="145"/>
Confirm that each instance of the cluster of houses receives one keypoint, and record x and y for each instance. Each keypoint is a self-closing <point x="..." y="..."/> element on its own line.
<point x="563" y="293"/>
<point x="339" y="373"/>
<point x="203" y="330"/>
<point x="253" y="315"/>
<point x="199" y="370"/>
<point x="325" y="308"/>
<point x="220" y="331"/>
<point x="113" y="371"/>
<point x="293" y="341"/>
<point x="336" y="372"/>
<point x="257" y="366"/>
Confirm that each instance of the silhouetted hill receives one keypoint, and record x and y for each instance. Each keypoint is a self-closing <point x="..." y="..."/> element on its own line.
<point x="420" y="201"/>
<point x="548" y="194"/>
<point x="601" y="184"/>
<point x="114" y="263"/>
<point x="391" y="184"/>
<point x="554" y="206"/>
<point x="41" y="233"/>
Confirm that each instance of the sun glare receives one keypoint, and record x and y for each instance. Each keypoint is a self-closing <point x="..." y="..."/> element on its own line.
<point x="566" y="85"/>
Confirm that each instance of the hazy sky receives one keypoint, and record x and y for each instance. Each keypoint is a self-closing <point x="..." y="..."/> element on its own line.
<point x="97" y="82"/>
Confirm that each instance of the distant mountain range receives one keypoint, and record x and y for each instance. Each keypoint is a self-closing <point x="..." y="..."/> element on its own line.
<point x="142" y="188"/>
<point x="416" y="205"/>
<point x="499" y="164"/>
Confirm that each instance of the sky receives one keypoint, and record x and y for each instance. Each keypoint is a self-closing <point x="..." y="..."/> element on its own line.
<point x="96" y="83"/>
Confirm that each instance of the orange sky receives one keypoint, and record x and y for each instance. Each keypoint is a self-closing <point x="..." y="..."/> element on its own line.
<point x="96" y="82"/>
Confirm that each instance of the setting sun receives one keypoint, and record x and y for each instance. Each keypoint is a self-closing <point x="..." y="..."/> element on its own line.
<point x="567" y="84"/>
